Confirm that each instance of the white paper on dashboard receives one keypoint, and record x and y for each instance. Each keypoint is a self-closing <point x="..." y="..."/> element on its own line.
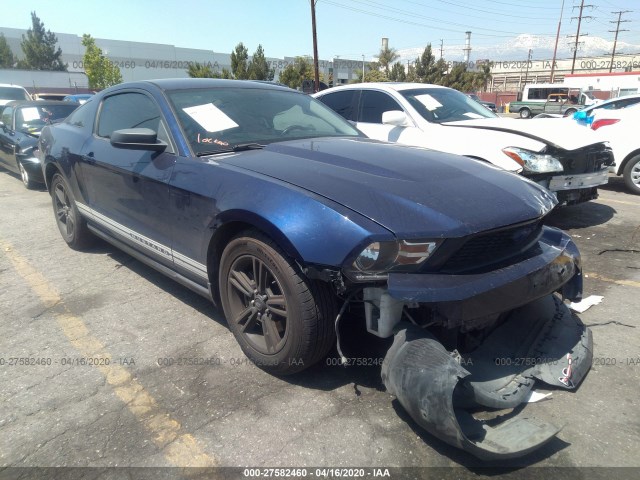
<point x="30" y="113"/>
<point x="209" y="117"/>
<point x="428" y="101"/>
<point x="473" y="115"/>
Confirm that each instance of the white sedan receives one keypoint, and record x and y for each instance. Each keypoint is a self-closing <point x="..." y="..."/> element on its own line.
<point x="564" y="157"/>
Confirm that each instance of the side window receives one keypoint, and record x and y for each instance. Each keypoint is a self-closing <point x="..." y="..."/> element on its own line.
<point x="6" y="116"/>
<point x="127" y="110"/>
<point x="373" y="104"/>
<point x="81" y="117"/>
<point x="341" y="103"/>
<point x="130" y="110"/>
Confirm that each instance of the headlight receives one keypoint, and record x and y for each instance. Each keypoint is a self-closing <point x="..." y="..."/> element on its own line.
<point x="534" y="162"/>
<point x="378" y="258"/>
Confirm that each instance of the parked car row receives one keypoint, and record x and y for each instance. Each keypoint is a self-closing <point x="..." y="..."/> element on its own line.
<point x="20" y="125"/>
<point x="279" y="210"/>
<point x="10" y="92"/>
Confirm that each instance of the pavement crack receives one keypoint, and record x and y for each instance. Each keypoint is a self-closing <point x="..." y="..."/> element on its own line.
<point x="615" y="322"/>
<point x="626" y="250"/>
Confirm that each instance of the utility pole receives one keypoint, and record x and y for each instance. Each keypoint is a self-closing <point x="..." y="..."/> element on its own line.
<point x="442" y="45"/>
<point x="575" y="48"/>
<point x="615" y="42"/>
<point x="316" y="84"/>
<point x="555" y="48"/>
<point x="526" y="74"/>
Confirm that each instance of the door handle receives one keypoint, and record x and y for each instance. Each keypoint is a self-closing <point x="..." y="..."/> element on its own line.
<point x="89" y="158"/>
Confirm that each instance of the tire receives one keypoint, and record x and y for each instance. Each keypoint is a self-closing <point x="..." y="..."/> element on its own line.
<point x="569" y="112"/>
<point x="631" y="175"/>
<point x="26" y="179"/>
<point x="72" y="226"/>
<point x="525" y="113"/>
<point x="283" y="322"/>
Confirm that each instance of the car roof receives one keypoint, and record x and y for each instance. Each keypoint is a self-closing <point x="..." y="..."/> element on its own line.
<point x="187" y="83"/>
<point x="36" y="103"/>
<point x="611" y="100"/>
<point x="12" y="85"/>
<point x="395" y="86"/>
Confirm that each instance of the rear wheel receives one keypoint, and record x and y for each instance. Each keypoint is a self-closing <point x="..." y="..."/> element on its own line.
<point x="525" y="113"/>
<point x="282" y="320"/>
<point x="72" y="226"/>
<point x="631" y="175"/>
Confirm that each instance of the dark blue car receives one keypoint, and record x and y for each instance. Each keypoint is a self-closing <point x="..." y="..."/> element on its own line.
<point x="270" y="204"/>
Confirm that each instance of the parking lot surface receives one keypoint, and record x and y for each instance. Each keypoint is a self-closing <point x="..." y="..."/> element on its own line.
<point x="105" y="362"/>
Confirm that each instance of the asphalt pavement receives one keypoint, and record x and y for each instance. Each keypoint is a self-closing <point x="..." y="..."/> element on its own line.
<point x="106" y="363"/>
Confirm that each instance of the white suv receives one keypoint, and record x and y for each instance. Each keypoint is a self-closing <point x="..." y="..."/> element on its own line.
<point x="9" y="93"/>
<point x="562" y="156"/>
<point x="619" y="127"/>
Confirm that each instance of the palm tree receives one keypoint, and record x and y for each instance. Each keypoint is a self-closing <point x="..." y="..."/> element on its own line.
<point x="386" y="57"/>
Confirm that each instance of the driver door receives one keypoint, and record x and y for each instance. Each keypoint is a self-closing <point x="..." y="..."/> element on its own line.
<point x="128" y="189"/>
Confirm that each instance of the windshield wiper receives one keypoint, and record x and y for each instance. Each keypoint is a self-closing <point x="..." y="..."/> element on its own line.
<point x="240" y="147"/>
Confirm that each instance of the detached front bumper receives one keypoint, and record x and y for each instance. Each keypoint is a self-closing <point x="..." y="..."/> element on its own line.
<point x="443" y="391"/>
<point x="460" y="298"/>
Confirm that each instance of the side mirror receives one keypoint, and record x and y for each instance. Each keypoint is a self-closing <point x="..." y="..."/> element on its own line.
<point x="395" y="117"/>
<point x="137" y="139"/>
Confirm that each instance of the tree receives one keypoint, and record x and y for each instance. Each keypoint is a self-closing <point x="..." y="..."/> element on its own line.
<point x="484" y="75"/>
<point x="373" y="74"/>
<point x="239" y="65"/>
<point x="7" y="59"/>
<point x="398" y="73"/>
<point x="39" y="47"/>
<point x="102" y="73"/>
<point x="386" y="57"/>
<point x="295" y="73"/>
<point x="200" y="70"/>
<point x="259" y="67"/>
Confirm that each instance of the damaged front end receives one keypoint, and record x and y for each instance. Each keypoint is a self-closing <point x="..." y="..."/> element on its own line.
<point x="475" y="340"/>
<point x="440" y="389"/>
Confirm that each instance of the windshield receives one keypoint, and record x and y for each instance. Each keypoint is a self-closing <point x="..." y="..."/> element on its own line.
<point x="34" y="118"/>
<point x="221" y="119"/>
<point x="439" y="105"/>
<point x="12" y="93"/>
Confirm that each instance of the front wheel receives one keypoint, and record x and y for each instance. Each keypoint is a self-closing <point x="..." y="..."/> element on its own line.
<point x="72" y="226"/>
<point x="525" y="113"/>
<point x="282" y="320"/>
<point x="631" y="175"/>
<point x="26" y="178"/>
<point x="569" y="112"/>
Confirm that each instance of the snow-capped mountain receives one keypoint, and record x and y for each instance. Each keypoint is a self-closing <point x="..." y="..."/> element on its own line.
<point x="517" y="48"/>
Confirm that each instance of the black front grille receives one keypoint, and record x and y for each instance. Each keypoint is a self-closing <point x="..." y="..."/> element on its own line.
<point x="585" y="160"/>
<point x="493" y="247"/>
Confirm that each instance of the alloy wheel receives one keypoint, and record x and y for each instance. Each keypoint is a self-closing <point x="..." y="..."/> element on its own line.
<point x="258" y="304"/>
<point x="24" y="174"/>
<point x="64" y="213"/>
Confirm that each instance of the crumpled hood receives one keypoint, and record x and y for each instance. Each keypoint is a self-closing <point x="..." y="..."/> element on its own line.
<point x="411" y="191"/>
<point x="560" y="132"/>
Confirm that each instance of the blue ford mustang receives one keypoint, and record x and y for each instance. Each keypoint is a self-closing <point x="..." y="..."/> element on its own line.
<point x="270" y="204"/>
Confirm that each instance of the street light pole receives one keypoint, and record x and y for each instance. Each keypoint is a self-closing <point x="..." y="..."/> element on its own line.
<point x="316" y="85"/>
<point x="363" y="68"/>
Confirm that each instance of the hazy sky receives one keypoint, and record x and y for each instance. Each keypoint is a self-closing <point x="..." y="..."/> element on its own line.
<point x="348" y="28"/>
